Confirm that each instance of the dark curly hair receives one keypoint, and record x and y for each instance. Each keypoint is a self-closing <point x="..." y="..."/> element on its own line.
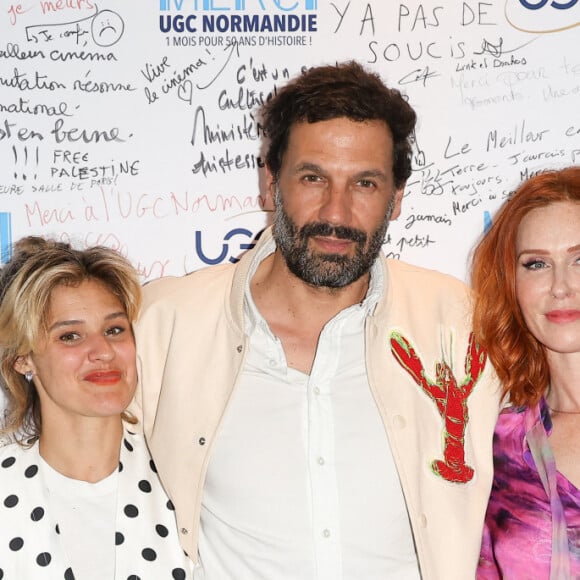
<point x="343" y="90"/>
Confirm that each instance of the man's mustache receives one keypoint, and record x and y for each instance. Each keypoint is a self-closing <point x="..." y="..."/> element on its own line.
<point x="325" y="229"/>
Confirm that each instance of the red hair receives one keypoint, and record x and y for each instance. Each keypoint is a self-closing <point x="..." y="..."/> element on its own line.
<point x="518" y="357"/>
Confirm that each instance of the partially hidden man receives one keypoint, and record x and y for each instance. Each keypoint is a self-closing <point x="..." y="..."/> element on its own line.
<point x="316" y="411"/>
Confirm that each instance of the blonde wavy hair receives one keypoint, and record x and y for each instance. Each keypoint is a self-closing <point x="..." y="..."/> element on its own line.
<point x="38" y="267"/>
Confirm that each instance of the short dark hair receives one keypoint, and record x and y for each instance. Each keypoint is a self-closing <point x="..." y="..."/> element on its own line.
<point x="343" y="90"/>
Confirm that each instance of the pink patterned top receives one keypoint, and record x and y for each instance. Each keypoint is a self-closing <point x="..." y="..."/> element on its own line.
<point x="532" y="525"/>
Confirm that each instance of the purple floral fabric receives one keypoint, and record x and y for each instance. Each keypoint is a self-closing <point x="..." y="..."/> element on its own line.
<point x="532" y="525"/>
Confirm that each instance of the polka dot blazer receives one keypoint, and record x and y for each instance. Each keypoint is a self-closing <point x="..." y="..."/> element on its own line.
<point x="146" y="542"/>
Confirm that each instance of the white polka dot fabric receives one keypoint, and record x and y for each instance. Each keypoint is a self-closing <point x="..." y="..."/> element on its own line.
<point x="146" y="540"/>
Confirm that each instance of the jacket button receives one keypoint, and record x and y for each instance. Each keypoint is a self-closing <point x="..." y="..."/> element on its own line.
<point x="399" y="422"/>
<point x="201" y="441"/>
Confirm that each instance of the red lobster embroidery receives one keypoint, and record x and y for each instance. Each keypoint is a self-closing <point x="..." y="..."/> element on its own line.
<point x="450" y="398"/>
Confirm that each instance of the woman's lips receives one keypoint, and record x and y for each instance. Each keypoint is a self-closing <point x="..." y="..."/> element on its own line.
<point x="104" y="377"/>
<point x="563" y="316"/>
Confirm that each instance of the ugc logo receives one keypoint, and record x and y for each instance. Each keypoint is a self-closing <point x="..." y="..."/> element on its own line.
<point x="542" y="16"/>
<point x="541" y="3"/>
<point x="230" y="250"/>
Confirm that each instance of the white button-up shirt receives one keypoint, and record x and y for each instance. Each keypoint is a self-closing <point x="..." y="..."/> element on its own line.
<point x="301" y="483"/>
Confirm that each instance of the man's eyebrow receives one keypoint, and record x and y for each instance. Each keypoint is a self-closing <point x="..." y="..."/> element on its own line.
<point x="372" y="173"/>
<point x="307" y="166"/>
<point x="366" y="173"/>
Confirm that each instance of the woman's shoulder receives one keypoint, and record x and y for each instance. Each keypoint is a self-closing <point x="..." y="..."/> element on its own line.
<point x="511" y="419"/>
<point x="132" y="437"/>
<point x="10" y="453"/>
<point x="509" y="437"/>
<point x="18" y="468"/>
<point x="135" y="446"/>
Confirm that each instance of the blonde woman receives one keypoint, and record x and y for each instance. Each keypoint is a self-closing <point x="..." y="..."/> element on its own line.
<point x="79" y="494"/>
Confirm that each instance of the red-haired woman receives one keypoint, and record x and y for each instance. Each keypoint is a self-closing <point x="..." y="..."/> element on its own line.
<point x="526" y="276"/>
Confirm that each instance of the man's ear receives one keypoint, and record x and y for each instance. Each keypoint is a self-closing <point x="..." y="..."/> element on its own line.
<point x="398" y="201"/>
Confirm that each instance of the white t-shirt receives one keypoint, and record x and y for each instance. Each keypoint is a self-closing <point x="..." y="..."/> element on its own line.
<point x="123" y="526"/>
<point x="86" y="515"/>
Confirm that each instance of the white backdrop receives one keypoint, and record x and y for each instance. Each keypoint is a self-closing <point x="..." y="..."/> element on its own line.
<point x="132" y="123"/>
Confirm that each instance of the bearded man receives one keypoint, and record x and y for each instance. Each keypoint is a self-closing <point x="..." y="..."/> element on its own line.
<point x="316" y="411"/>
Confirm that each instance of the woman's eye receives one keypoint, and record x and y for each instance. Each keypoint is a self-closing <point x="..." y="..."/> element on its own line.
<point x="534" y="265"/>
<point x="115" y="330"/>
<point x="69" y="337"/>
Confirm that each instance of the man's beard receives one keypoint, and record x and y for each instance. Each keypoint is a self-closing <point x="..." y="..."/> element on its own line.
<point x="326" y="270"/>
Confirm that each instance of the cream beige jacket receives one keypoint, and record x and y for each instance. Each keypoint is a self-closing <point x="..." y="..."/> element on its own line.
<point x="439" y="408"/>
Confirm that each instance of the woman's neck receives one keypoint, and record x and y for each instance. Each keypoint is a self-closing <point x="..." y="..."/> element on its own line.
<point x="86" y="450"/>
<point x="564" y="392"/>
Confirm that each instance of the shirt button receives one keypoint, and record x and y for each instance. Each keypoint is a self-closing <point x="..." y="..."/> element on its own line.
<point x="326" y="533"/>
<point x="272" y="362"/>
<point x="423" y="520"/>
<point x="316" y="390"/>
<point x="321" y="461"/>
<point x="184" y="531"/>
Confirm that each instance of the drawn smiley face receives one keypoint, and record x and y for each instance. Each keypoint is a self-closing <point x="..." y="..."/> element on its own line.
<point x="107" y="28"/>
